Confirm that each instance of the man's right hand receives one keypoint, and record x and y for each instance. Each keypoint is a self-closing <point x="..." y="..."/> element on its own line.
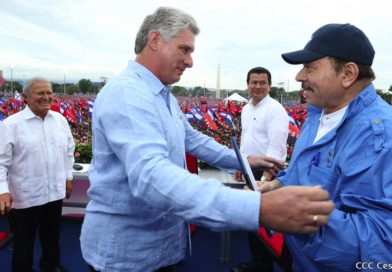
<point x="295" y="209"/>
<point x="5" y="203"/>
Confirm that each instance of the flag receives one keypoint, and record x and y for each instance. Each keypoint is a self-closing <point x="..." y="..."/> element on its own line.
<point x="197" y="113"/>
<point x="70" y="115"/>
<point x="227" y="117"/>
<point x="210" y="123"/>
<point x="211" y="111"/>
<point x="18" y="96"/>
<point x="219" y="119"/>
<point x="292" y="120"/>
<point x="2" y="114"/>
<point x="90" y="107"/>
<point x="189" y="117"/>
<point x="80" y="119"/>
<point x="2" y="101"/>
<point x="63" y="107"/>
<point x="294" y="130"/>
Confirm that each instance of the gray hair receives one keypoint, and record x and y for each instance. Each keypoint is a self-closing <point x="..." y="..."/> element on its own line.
<point x="168" y="22"/>
<point x="29" y="83"/>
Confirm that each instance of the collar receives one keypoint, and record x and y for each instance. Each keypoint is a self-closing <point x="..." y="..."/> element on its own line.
<point x="362" y="100"/>
<point x="154" y="84"/>
<point x="333" y="117"/>
<point x="26" y="113"/>
<point x="261" y="102"/>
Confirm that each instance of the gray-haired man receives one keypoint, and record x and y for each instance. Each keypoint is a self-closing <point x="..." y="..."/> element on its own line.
<point x="141" y="194"/>
<point x="36" y="159"/>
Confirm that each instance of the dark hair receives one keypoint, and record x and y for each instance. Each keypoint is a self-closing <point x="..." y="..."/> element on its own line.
<point x="259" y="70"/>
<point x="365" y="71"/>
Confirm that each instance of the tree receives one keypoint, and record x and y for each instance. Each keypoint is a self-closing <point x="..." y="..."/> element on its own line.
<point x="16" y="86"/>
<point x="179" y="91"/>
<point x="277" y="93"/>
<point x="57" y="88"/>
<point x="198" y="91"/>
<point x="243" y="93"/>
<point x="86" y="86"/>
<point x="293" y="96"/>
<point x="71" y="88"/>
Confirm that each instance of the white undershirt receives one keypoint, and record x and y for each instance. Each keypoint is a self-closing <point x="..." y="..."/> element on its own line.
<point x="328" y="122"/>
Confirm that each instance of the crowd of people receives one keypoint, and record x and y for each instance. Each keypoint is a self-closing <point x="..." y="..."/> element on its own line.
<point x="216" y="118"/>
<point x="332" y="203"/>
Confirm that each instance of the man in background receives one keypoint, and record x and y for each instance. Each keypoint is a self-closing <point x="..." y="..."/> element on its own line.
<point x="36" y="159"/>
<point x="264" y="121"/>
<point x="141" y="195"/>
<point x="265" y="128"/>
<point x="345" y="146"/>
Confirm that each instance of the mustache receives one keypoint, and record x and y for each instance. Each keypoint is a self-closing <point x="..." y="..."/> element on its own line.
<point x="306" y="87"/>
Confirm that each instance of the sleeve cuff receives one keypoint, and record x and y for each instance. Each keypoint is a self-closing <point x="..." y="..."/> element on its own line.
<point x="4" y="188"/>
<point x="69" y="175"/>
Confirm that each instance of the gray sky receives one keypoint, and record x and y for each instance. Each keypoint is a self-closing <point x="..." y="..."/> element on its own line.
<point x="94" y="38"/>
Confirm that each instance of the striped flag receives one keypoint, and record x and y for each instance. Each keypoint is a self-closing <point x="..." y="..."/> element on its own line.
<point x="197" y="114"/>
<point x="227" y="117"/>
<point x="18" y="96"/>
<point x="90" y="107"/>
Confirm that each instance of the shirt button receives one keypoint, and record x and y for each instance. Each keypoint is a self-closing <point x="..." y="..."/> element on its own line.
<point x="376" y="121"/>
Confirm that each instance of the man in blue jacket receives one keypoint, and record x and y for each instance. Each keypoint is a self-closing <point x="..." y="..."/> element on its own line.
<point x="344" y="146"/>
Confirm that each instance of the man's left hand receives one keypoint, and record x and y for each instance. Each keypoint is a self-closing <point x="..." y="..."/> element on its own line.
<point x="264" y="162"/>
<point x="68" y="188"/>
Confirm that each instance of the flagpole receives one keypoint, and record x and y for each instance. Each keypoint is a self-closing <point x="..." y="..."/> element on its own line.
<point x="288" y="85"/>
<point x="64" y="83"/>
<point x="12" y="83"/>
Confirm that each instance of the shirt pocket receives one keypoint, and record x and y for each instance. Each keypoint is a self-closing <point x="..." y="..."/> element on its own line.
<point x="60" y="139"/>
<point x="60" y="145"/>
<point x="31" y="149"/>
<point x="29" y="144"/>
<point x="31" y="188"/>
<point x="326" y="178"/>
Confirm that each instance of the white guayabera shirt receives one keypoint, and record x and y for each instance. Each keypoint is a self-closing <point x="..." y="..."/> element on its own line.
<point x="37" y="155"/>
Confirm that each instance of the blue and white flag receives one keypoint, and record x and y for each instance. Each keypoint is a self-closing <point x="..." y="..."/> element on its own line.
<point x="18" y="96"/>
<point x="90" y="107"/>
<point x="189" y="117"/>
<point x="63" y="107"/>
<point x="197" y="113"/>
<point x="228" y="118"/>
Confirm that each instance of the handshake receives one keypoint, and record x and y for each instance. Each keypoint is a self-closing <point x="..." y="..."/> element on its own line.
<point x="289" y="209"/>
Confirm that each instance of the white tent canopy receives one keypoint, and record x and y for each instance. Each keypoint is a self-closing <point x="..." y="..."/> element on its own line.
<point x="236" y="97"/>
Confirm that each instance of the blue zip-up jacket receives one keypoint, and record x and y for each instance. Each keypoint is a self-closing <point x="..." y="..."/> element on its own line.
<point x="354" y="163"/>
